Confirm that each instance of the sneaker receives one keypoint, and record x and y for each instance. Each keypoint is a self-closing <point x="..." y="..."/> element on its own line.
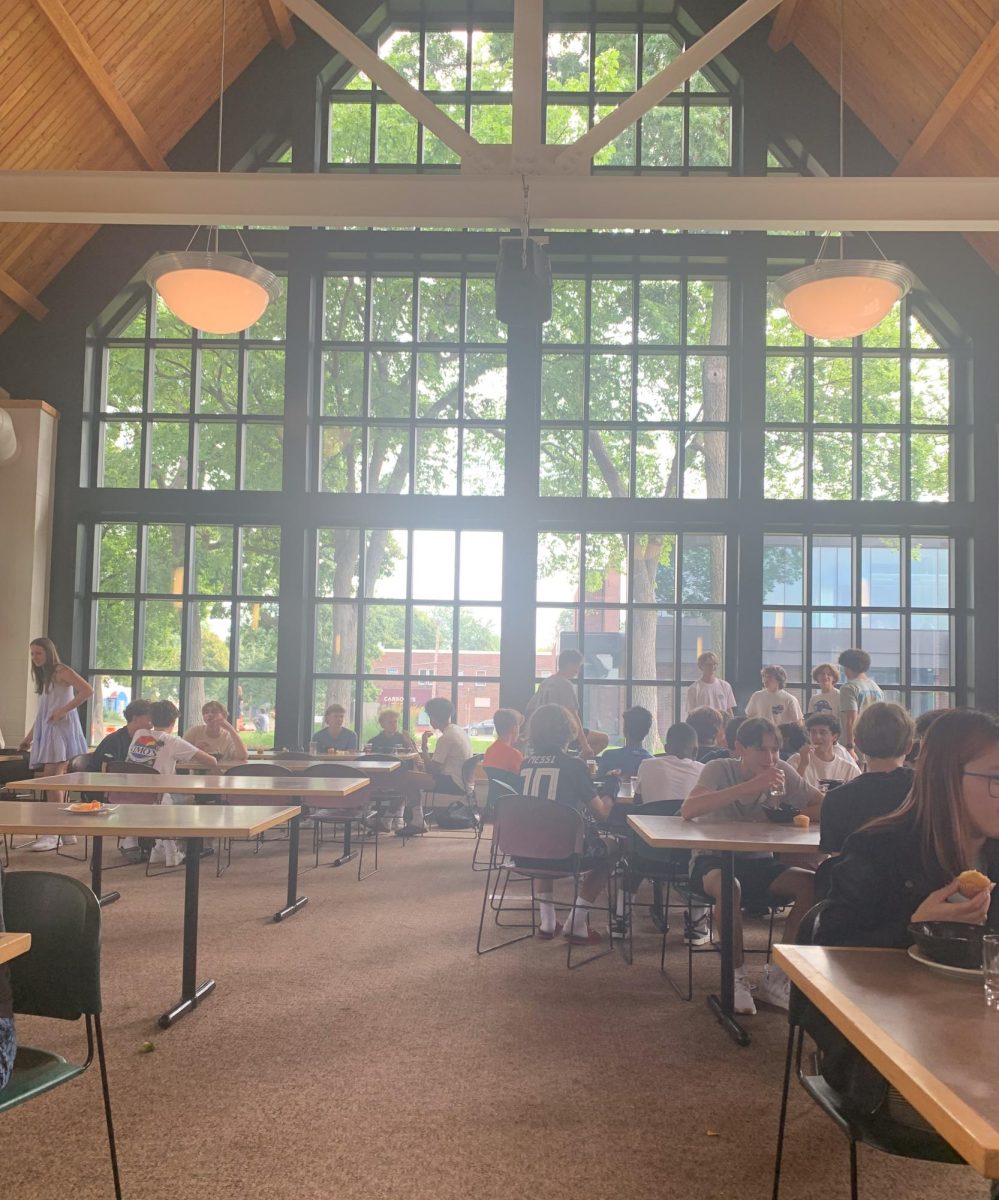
<point x="157" y="856"/>
<point x="697" y="932"/>
<point x="411" y="830"/>
<point x="131" y="854"/>
<point x="67" y="841"/>
<point x="590" y="938"/>
<point x="744" y="1005"/>
<point x="174" y="857"/>
<point x="378" y="825"/>
<point x="547" y="935"/>
<point x="775" y="987"/>
<point x="48" y="842"/>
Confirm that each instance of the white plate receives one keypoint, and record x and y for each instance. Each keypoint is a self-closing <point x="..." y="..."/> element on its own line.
<point x="103" y="811"/>
<point x="946" y="968"/>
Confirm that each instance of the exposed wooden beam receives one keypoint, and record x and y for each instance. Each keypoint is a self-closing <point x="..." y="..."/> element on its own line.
<point x="528" y="70"/>
<point x="606" y="202"/>
<point x="347" y="43"/>
<point x="785" y="26"/>
<point x="21" y="296"/>
<point x="707" y="47"/>
<point x="278" y="21"/>
<point x="963" y="88"/>
<point x="74" y="41"/>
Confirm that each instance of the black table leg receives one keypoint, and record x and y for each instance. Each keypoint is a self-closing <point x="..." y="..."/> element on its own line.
<point x="96" y="864"/>
<point x="348" y="853"/>
<point x="190" y="991"/>
<point x="295" y="901"/>
<point x="724" y="1009"/>
<point x="658" y="913"/>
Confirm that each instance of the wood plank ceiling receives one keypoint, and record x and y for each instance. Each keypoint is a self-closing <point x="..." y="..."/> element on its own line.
<point x="106" y="85"/>
<point x="115" y="84"/>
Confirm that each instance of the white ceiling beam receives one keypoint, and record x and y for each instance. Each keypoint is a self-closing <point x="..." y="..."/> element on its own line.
<point x="347" y="43"/>
<point x="528" y="72"/>
<point x="707" y="47"/>
<point x="600" y="201"/>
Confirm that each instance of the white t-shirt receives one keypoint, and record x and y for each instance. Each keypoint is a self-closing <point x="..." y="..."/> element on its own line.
<point x="824" y="702"/>
<point x="161" y="750"/>
<point x="667" y="778"/>
<point x="780" y="707"/>
<point x="717" y="694"/>
<point x="840" y="768"/>
<point x="452" y="751"/>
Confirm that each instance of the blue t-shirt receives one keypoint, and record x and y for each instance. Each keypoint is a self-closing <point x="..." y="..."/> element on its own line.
<point x="346" y="739"/>
<point x="625" y="759"/>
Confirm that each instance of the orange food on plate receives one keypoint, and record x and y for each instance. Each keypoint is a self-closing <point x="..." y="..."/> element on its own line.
<point x="802" y="821"/>
<point x="86" y="806"/>
<point x="970" y="883"/>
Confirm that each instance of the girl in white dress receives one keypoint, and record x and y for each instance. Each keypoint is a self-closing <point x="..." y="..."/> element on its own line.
<point x="56" y="736"/>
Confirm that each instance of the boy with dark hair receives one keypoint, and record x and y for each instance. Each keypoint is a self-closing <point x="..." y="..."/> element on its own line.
<point x="738" y="789"/>
<point x="114" y="748"/>
<point x="773" y="702"/>
<point x="885" y="734"/>
<point x="820" y="762"/>
<point x="162" y="749"/>
<point x="560" y="688"/>
<point x="636" y="723"/>
<point x="858" y="691"/>
<point x="503" y="755"/>
<point x="707" y="723"/>
<point x="442" y="773"/>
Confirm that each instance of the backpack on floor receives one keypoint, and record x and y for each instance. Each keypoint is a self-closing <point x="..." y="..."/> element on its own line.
<point x="457" y="815"/>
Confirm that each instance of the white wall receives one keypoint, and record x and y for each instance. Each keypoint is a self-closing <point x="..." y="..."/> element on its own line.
<point x="27" y="486"/>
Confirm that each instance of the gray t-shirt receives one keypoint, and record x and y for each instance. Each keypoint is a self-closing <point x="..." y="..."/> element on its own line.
<point x="724" y="773"/>
<point x="556" y="689"/>
<point x="855" y="695"/>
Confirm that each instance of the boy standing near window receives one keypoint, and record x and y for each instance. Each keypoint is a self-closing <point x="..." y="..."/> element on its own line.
<point x="710" y="691"/>
<point x="858" y="691"/>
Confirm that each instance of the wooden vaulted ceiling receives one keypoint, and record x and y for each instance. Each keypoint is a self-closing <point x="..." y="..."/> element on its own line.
<point x="115" y="84"/>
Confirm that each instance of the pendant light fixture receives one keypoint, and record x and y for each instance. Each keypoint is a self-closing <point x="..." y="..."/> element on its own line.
<point x="840" y="298"/>
<point x="207" y="289"/>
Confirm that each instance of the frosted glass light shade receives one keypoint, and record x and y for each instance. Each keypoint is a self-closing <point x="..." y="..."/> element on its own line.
<point x="216" y="293"/>
<point x="842" y="298"/>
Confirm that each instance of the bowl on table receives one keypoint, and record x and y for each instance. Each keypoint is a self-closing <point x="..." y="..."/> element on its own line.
<point x="784" y="814"/>
<point x="953" y="943"/>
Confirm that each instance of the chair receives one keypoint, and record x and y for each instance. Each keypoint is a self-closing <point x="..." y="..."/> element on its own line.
<point x="501" y="783"/>
<point x="468" y="770"/>
<point x="79" y="762"/>
<point x="878" y="1129"/>
<point x="59" y="977"/>
<point x="349" y="811"/>
<point x="146" y="844"/>
<point x="248" y="769"/>
<point x="527" y="828"/>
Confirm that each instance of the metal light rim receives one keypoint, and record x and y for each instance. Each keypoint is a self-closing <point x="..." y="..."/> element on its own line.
<point x="210" y="260"/>
<point x="845" y="268"/>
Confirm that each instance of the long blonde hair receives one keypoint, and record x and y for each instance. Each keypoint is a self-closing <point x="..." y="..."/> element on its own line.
<point x="936" y="802"/>
<point x="44" y="674"/>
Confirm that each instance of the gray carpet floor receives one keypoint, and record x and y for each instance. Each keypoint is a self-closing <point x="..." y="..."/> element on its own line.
<point x="362" y="1049"/>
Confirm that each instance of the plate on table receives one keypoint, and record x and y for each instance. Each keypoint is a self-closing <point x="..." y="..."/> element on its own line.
<point x="85" y="810"/>
<point x="946" y="968"/>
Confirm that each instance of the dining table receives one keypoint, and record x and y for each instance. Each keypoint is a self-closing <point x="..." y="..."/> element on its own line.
<point x="926" y="1029"/>
<point x="12" y="945"/>
<point x="726" y="839"/>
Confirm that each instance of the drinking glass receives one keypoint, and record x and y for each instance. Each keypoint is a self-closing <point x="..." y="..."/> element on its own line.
<point x="990" y="966"/>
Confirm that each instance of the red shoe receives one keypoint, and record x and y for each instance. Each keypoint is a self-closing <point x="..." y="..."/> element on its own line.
<point x="592" y="937"/>
<point x="548" y="936"/>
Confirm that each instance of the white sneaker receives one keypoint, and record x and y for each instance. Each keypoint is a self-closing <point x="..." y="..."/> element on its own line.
<point x="775" y="987"/>
<point x="67" y="841"/>
<point x="48" y="842"/>
<point x="157" y="856"/>
<point x="744" y="1005"/>
<point x="174" y="855"/>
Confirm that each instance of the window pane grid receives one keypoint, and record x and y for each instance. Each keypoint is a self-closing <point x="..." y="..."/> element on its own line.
<point x="891" y="595"/>
<point x="868" y="418"/>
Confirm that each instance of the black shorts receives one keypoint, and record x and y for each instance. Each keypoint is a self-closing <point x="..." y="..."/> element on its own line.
<point x="755" y="875"/>
<point x="595" y="854"/>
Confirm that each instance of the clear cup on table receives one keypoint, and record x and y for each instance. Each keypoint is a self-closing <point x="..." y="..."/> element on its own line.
<point x="990" y="969"/>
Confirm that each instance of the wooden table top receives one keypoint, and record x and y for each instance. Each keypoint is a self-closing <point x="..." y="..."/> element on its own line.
<point x="265" y="786"/>
<point x="929" y="1034"/>
<point x="13" y="944"/>
<point x="297" y="765"/>
<point x="148" y="820"/>
<point x="674" y="833"/>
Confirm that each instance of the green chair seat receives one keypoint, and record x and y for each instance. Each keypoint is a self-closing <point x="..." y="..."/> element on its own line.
<point x="36" y="1072"/>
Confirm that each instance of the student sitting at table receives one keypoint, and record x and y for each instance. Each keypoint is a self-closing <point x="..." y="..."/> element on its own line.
<point x="217" y="736"/>
<point x="335" y="735"/>
<point x="442" y="773"/>
<point x="884" y="734"/>
<point x="8" y="1042"/>
<point x="738" y="789"/>
<point x="708" y="724"/>
<point x="503" y="755"/>
<point x="391" y="736"/>
<point x="550" y="773"/>
<point x="635" y="724"/>
<point x="162" y="749"/>
<point x="114" y="748"/>
<point x="818" y="761"/>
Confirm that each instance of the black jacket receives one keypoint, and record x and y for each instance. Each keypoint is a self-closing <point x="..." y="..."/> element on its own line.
<point x="877" y="884"/>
